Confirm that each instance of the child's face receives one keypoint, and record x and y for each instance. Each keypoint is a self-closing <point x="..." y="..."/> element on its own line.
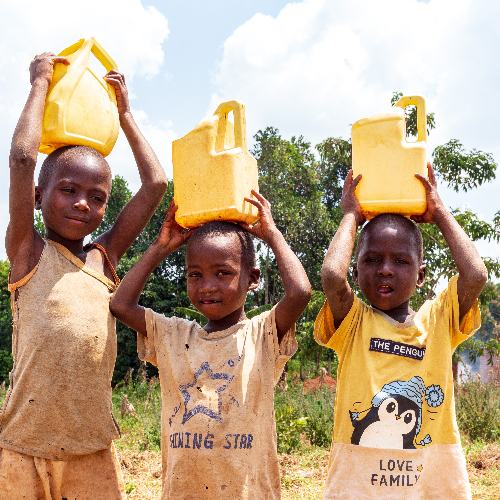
<point x="74" y="200"/>
<point x="388" y="267"/>
<point x="217" y="278"/>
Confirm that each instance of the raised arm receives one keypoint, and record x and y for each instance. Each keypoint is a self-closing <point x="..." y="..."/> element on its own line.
<point x="135" y="215"/>
<point x="338" y="256"/>
<point x="23" y="244"/>
<point x="295" y="280"/>
<point x="472" y="273"/>
<point x="125" y="302"/>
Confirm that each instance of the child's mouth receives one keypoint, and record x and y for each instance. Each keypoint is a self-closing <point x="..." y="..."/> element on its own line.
<point x="384" y="289"/>
<point x="209" y="301"/>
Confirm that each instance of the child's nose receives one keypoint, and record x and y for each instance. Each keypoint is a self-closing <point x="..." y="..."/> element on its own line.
<point x="385" y="269"/>
<point x="207" y="286"/>
<point x="81" y="204"/>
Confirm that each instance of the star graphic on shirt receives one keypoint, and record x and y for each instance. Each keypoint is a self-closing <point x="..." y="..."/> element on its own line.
<point x="203" y="393"/>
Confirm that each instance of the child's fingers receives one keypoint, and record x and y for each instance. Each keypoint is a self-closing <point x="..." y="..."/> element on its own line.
<point x="113" y="80"/>
<point x="60" y="59"/>
<point x="259" y="197"/>
<point x="347" y="182"/>
<point x="425" y="182"/>
<point x="431" y="174"/>
<point x="254" y="202"/>
<point x="116" y="75"/>
<point x="356" y="181"/>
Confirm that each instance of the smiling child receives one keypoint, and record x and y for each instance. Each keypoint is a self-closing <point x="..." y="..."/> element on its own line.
<point x="218" y="434"/>
<point x="56" y="425"/>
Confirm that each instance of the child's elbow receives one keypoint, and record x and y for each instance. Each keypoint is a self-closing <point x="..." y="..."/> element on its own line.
<point x="20" y="158"/>
<point x="331" y="279"/>
<point x="481" y="276"/>
<point x="117" y="307"/>
<point x="477" y="278"/>
<point x="158" y="187"/>
<point x="303" y="293"/>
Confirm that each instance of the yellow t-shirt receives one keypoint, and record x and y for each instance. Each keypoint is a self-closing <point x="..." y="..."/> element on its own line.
<point x="218" y="436"/>
<point x="394" y="420"/>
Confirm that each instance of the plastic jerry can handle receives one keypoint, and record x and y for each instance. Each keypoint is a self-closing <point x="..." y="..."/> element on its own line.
<point x="239" y="124"/>
<point x="419" y="103"/>
<point x="95" y="47"/>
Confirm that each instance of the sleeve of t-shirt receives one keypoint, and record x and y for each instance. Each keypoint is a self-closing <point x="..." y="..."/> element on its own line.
<point x="280" y="352"/>
<point x="157" y="327"/>
<point x="325" y="332"/>
<point x="460" y="331"/>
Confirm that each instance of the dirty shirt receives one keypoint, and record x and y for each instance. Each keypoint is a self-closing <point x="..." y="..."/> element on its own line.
<point x="395" y="432"/>
<point x="64" y="348"/>
<point x="218" y="435"/>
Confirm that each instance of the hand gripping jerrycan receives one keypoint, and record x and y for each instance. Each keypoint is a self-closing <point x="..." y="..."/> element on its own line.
<point x="213" y="170"/>
<point x="388" y="162"/>
<point x="80" y="108"/>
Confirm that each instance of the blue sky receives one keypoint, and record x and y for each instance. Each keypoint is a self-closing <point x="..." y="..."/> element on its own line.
<point x="308" y="67"/>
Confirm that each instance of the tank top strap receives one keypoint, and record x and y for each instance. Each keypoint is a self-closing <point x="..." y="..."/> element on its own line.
<point x="99" y="247"/>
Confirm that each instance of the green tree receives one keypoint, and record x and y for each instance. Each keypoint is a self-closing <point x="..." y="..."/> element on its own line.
<point x="305" y="190"/>
<point x="165" y="289"/>
<point x="5" y="323"/>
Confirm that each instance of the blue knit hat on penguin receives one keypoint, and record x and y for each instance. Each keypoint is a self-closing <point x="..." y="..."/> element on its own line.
<point x="416" y="391"/>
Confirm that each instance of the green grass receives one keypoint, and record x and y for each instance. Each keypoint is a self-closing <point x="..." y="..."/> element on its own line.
<point x="304" y="424"/>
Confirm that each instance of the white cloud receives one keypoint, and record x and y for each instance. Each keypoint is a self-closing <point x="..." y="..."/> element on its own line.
<point x="320" y="65"/>
<point x="131" y="32"/>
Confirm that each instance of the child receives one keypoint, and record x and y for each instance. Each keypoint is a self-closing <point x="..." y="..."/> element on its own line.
<point x="56" y="426"/>
<point x="217" y="382"/>
<point x="395" y="433"/>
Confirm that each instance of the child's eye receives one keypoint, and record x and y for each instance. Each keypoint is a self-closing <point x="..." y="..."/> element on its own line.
<point x="67" y="190"/>
<point x="221" y="274"/>
<point x="193" y="275"/>
<point x="401" y="261"/>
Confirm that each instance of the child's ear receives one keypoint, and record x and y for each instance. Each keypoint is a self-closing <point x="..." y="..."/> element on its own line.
<point x="38" y="198"/>
<point x="421" y="276"/>
<point x="253" y="281"/>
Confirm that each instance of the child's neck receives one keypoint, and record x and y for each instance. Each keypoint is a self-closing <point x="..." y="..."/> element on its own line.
<point x="218" y="325"/>
<point x="401" y="313"/>
<point x="74" y="246"/>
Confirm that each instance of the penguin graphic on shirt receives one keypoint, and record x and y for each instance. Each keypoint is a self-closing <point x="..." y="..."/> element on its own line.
<point x="395" y="416"/>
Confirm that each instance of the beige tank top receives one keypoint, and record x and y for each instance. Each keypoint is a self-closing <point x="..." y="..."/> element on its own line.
<point x="64" y="350"/>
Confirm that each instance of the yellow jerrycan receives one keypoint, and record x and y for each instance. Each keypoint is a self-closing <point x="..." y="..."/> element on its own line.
<point x="80" y="108"/>
<point x="388" y="162"/>
<point x="213" y="170"/>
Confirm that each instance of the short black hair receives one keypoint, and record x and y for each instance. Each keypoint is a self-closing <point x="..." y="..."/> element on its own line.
<point x="394" y="220"/>
<point x="55" y="159"/>
<point x="223" y="228"/>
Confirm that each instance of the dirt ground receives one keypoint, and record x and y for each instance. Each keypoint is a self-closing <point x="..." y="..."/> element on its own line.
<point x="303" y="474"/>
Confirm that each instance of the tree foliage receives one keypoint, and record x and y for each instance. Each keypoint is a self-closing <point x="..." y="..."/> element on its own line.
<point x="304" y="185"/>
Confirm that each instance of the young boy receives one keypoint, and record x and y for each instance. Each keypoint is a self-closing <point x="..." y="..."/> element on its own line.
<point x="217" y="382"/>
<point x="56" y="425"/>
<point x="395" y="433"/>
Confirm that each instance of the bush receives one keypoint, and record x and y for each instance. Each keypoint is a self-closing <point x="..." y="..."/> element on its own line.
<point x="303" y="418"/>
<point x="5" y="365"/>
<point x="478" y="410"/>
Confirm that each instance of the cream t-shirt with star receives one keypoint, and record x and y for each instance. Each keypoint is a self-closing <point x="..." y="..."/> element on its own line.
<point x="218" y="434"/>
<point x="395" y="431"/>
